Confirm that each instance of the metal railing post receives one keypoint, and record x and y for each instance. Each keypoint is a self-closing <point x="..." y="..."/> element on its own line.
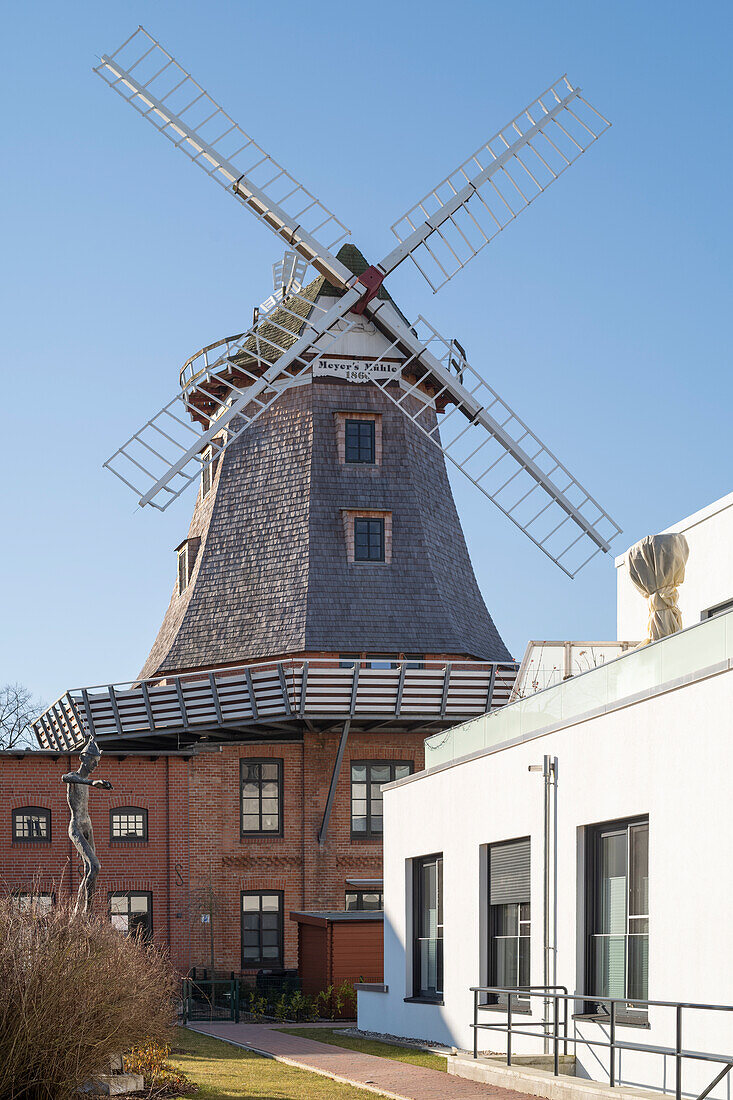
<point x="556" y="1036"/>
<point x="678" y="1054"/>
<point x="565" y="1023"/>
<point x="475" y="1023"/>
<point x="555" y="1030"/>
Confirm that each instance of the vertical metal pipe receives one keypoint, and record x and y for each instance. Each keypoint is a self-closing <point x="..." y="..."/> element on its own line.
<point x="554" y="874"/>
<point x="546" y="768"/>
<point x="556" y="1036"/>
<point x="475" y="1023"/>
<point x="509" y="1030"/>
<point x="612" y="1051"/>
<point x="678" y="1054"/>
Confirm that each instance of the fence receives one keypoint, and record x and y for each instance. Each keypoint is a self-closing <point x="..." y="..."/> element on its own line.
<point x="556" y="1029"/>
<point x="227" y="998"/>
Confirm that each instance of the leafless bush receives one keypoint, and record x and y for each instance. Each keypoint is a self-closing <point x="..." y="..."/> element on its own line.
<point x="73" y="993"/>
<point x="18" y="710"/>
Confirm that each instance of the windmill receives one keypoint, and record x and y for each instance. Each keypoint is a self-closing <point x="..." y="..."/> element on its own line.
<point x="229" y="385"/>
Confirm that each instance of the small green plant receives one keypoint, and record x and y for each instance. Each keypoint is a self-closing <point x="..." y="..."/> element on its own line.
<point x="257" y="1007"/>
<point x="151" y="1060"/>
<point x="301" y="1008"/>
<point x="347" y="997"/>
<point x="282" y="1008"/>
<point x="324" y="1003"/>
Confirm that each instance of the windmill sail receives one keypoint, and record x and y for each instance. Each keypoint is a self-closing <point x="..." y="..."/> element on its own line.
<point x="224" y="389"/>
<point x="466" y="210"/>
<point x="481" y="435"/>
<point x="151" y="80"/>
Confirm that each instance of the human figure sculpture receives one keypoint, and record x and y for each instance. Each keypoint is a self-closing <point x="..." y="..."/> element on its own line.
<point x="80" y="824"/>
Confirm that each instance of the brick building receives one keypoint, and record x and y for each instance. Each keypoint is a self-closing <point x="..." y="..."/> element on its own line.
<point x="324" y="619"/>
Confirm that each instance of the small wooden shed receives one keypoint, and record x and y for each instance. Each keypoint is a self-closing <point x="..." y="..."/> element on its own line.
<point x="337" y="947"/>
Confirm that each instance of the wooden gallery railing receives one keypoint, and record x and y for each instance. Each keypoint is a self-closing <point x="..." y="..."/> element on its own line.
<point x="441" y="692"/>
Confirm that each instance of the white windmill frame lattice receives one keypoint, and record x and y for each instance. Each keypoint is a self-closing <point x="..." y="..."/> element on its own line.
<point x="440" y="235"/>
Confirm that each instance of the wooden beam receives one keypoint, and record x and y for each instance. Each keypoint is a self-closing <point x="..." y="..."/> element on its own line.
<point x="490" y="689"/>
<point x="181" y="700"/>
<point x="446" y="686"/>
<point x="146" y="701"/>
<point x="77" y="716"/>
<point x="303" y="688"/>
<point x="215" y="697"/>
<point x="284" y="688"/>
<point x="88" y="711"/>
<point x="354" y="687"/>
<point x="323" y="831"/>
<point x="58" y="717"/>
<point x="251" y="690"/>
<point x="400" y="689"/>
<point x="115" y="709"/>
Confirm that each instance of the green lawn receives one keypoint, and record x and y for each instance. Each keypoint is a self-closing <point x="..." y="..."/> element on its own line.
<point x="224" y="1072"/>
<point x="370" y="1046"/>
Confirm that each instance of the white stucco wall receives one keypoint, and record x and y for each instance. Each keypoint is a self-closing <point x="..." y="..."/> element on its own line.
<point x="708" y="575"/>
<point x="671" y="757"/>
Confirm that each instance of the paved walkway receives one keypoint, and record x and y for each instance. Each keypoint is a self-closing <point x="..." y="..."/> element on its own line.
<point x="382" y="1075"/>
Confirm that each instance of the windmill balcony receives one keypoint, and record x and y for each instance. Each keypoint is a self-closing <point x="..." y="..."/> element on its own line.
<point x="278" y="697"/>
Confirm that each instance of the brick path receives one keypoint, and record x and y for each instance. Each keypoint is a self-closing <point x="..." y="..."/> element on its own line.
<point x="380" y="1075"/>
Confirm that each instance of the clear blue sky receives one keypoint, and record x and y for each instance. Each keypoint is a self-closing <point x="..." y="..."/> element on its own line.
<point x="603" y="314"/>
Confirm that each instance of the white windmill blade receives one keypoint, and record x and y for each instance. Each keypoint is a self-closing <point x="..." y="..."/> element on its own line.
<point x="468" y="208"/>
<point x="225" y="388"/>
<point x="481" y="435"/>
<point x="151" y="80"/>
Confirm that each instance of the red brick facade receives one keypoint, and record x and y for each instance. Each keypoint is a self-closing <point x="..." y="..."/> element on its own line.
<point x="194" y="847"/>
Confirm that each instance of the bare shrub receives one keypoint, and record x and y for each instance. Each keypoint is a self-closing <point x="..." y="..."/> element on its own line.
<point x="74" y="992"/>
<point x="18" y="710"/>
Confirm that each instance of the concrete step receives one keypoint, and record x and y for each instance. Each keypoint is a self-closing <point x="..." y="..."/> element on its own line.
<point x="527" y="1075"/>
<point x="119" y="1084"/>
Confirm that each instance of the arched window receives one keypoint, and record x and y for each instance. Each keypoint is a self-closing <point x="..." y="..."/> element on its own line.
<point x="32" y="823"/>
<point x="128" y="823"/>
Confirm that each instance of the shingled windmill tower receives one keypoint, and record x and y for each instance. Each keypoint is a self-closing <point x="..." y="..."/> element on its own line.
<point x="328" y="530"/>
<point x="324" y="596"/>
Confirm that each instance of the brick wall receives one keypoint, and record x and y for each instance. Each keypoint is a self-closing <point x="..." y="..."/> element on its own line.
<point x="194" y="852"/>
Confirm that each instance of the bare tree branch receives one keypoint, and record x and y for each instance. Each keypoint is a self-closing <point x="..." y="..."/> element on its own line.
<point x="18" y="709"/>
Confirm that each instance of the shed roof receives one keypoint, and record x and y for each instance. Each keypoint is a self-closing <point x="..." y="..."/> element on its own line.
<point x="333" y="916"/>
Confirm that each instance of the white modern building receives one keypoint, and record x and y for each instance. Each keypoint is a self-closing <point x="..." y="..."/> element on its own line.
<point x="627" y="835"/>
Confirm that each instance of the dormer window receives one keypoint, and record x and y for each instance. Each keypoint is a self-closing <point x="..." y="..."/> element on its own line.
<point x="186" y="558"/>
<point x="207" y="471"/>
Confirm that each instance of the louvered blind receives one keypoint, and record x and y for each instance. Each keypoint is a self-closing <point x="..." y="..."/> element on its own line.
<point x="509" y="872"/>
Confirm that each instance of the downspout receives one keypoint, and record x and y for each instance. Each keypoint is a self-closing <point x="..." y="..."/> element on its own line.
<point x="168" y="845"/>
<point x="549" y="891"/>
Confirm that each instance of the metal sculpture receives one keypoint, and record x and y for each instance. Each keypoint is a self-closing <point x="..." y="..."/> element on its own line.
<point x="232" y="383"/>
<point x="80" y="823"/>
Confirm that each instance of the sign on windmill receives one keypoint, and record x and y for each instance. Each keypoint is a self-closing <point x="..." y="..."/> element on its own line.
<point x="295" y="339"/>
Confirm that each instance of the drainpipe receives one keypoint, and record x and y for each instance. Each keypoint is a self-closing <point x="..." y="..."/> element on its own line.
<point x="548" y="767"/>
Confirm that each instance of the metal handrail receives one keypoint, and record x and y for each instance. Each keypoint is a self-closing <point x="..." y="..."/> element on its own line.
<point x="560" y="993"/>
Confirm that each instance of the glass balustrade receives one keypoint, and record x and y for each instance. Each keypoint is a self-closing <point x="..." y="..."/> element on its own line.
<point x="649" y="668"/>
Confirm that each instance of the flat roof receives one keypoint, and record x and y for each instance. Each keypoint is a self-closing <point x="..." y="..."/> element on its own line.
<point x="688" y="522"/>
<point x="334" y="916"/>
<point x="695" y="653"/>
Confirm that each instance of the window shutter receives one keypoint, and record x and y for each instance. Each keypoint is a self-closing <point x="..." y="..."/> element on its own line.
<point x="509" y="872"/>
